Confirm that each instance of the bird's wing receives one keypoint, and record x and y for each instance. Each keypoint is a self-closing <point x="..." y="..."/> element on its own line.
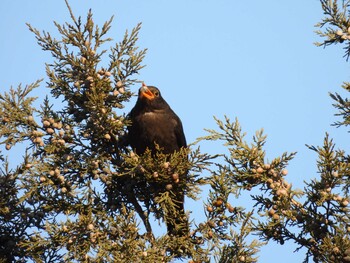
<point x="179" y="133"/>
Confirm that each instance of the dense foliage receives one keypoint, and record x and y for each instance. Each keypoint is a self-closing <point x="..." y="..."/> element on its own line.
<point x="78" y="193"/>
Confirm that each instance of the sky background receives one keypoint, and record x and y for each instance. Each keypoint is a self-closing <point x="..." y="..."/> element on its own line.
<point x="254" y="60"/>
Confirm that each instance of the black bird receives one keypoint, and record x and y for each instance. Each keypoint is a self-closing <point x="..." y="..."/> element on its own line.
<point x="154" y="122"/>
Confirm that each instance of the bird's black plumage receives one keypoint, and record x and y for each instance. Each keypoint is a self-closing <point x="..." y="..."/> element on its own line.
<point x="153" y="123"/>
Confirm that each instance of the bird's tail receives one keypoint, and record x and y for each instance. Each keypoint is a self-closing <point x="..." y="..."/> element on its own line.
<point x="176" y="219"/>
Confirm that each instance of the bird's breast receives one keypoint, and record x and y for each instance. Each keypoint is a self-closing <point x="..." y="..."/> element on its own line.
<point x="150" y="115"/>
<point x="156" y="127"/>
<point x="158" y="120"/>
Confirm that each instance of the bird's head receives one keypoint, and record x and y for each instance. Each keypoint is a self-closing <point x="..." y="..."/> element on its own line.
<point x="148" y="92"/>
<point x="150" y="97"/>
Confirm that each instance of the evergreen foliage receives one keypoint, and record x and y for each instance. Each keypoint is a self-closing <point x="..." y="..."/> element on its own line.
<point x="79" y="193"/>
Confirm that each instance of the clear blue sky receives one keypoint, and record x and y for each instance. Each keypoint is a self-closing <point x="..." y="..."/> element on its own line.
<point x="254" y="60"/>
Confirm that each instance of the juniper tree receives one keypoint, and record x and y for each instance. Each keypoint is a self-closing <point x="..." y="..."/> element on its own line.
<point x="317" y="218"/>
<point x="79" y="192"/>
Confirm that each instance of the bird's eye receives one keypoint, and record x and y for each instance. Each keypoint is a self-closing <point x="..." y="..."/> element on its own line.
<point x="156" y="93"/>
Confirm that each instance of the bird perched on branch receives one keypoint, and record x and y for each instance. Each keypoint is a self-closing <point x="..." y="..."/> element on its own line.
<point x="153" y="123"/>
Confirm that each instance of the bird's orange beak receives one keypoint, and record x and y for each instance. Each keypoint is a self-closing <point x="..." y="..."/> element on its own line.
<point x="145" y="92"/>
